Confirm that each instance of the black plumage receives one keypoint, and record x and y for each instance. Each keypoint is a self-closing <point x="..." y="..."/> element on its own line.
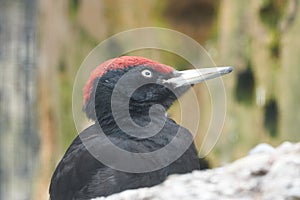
<point x="79" y="175"/>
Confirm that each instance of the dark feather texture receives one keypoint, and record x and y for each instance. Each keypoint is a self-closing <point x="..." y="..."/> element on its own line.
<point x="79" y="175"/>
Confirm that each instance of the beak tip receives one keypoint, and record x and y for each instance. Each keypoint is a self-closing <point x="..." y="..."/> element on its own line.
<point x="228" y="69"/>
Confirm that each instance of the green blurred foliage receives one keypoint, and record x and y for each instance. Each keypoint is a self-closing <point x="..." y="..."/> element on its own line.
<point x="271" y="12"/>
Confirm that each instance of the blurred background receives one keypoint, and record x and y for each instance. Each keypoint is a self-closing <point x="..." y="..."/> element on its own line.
<point x="43" y="43"/>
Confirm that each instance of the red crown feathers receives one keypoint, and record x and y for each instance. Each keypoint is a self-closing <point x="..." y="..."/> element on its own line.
<point x="121" y="63"/>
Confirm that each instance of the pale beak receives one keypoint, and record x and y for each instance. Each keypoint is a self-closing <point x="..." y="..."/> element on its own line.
<point x="193" y="76"/>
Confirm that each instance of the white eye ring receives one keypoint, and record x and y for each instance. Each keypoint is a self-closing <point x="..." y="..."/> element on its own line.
<point x="147" y="73"/>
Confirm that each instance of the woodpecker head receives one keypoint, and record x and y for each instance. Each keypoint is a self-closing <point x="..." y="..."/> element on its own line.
<point x="142" y="81"/>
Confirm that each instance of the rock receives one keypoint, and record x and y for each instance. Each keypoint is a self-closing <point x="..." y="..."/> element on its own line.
<point x="262" y="148"/>
<point x="266" y="173"/>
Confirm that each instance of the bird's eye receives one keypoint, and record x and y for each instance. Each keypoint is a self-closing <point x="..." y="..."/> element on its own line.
<point x="147" y="73"/>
